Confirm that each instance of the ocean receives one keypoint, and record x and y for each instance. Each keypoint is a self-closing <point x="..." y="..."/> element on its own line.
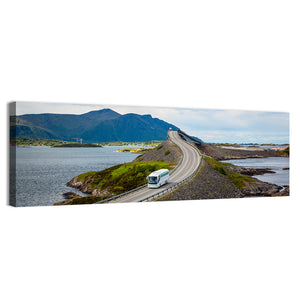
<point x="42" y="172"/>
<point x="280" y="165"/>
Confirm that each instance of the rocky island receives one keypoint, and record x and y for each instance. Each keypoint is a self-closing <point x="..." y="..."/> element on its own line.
<point x="134" y="150"/>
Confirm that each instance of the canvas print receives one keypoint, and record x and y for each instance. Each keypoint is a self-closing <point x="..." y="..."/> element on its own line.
<point x="67" y="154"/>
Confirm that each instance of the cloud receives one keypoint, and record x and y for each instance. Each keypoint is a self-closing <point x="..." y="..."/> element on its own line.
<point x="59" y="108"/>
<point x="207" y="124"/>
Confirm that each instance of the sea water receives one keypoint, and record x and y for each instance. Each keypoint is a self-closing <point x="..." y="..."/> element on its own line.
<point x="42" y="172"/>
<point x="280" y="165"/>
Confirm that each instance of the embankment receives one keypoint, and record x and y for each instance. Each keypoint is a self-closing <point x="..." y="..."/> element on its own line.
<point x="215" y="180"/>
<point x="218" y="180"/>
<point x="219" y="153"/>
<point x="121" y="178"/>
<point x="166" y="151"/>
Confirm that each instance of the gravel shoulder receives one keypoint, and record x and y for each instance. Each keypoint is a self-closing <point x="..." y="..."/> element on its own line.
<point x="166" y="151"/>
<point x="219" y="183"/>
<point x="208" y="184"/>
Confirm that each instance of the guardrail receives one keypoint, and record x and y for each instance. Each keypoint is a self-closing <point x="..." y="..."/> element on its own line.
<point x="171" y="187"/>
<point x="138" y="188"/>
<point x="159" y="193"/>
<point x="178" y="183"/>
<point x="186" y="136"/>
<point x="121" y="195"/>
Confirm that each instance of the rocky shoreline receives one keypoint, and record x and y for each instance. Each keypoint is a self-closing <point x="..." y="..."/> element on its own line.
<point x="85" y="187"/>
<point x="209" y="183"/>
<point x="219" y="153"/>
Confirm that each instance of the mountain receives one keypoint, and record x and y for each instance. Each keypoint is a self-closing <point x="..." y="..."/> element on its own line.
<point x="97" y="126"/>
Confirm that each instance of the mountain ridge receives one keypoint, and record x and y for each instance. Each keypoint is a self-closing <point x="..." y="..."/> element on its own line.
<point x="96" y="126"/>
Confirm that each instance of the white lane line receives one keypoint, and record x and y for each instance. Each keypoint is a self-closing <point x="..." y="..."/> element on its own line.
<point x="189" y="162"/>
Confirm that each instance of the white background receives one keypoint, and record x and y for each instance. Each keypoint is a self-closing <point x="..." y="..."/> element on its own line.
<point x="204" y="54"/>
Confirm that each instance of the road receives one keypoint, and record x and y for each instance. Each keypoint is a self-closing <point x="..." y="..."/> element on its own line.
<point x="191" y="160"/>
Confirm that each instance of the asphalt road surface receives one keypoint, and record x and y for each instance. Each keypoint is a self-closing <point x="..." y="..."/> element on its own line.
<point x="191" y="160"/>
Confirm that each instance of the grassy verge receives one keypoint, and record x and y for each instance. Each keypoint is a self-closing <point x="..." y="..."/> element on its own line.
<point x="236" y="178"/>
<point x="121" y="178"/>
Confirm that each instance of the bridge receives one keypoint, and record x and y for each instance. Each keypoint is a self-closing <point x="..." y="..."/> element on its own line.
<point x="188" y="165"/>
<point x="188" y="138"/>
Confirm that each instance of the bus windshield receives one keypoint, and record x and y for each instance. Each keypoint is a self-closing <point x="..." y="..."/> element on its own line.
<point x="152" y="179"/>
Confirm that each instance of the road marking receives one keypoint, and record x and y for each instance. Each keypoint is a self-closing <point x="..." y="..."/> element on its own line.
<point x="191" y="161"/>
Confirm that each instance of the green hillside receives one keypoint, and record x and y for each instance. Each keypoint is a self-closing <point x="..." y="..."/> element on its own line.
<point x="99" y="126"/>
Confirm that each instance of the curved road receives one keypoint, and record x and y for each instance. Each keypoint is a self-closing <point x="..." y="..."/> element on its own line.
<point x="191" y="160"/>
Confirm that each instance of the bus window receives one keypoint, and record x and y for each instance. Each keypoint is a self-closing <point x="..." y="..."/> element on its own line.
<point x="152" y="179"/>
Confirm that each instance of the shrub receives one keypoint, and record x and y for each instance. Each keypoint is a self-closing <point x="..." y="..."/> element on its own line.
<point x="159" y="147"/>
<point x="118" y="189"/>
<point x="167" y="152"/>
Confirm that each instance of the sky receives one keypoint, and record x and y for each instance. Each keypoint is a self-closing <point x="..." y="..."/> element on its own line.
<point x="210" y="125"/>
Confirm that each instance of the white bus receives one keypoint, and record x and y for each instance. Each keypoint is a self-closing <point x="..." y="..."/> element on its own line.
<point x="158" y="178"/>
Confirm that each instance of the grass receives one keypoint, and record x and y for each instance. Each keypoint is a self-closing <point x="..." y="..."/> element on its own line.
<point x="121" y="178"/>
<point x="135" y="150"/>
<point x="84" y="176"/>
<point x="35" y="142"/>
<point x="236" y="178"/>
<point x="240" y="180"/>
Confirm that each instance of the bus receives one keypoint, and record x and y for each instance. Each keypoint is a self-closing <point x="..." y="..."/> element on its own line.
<point x="158" y="178"/>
